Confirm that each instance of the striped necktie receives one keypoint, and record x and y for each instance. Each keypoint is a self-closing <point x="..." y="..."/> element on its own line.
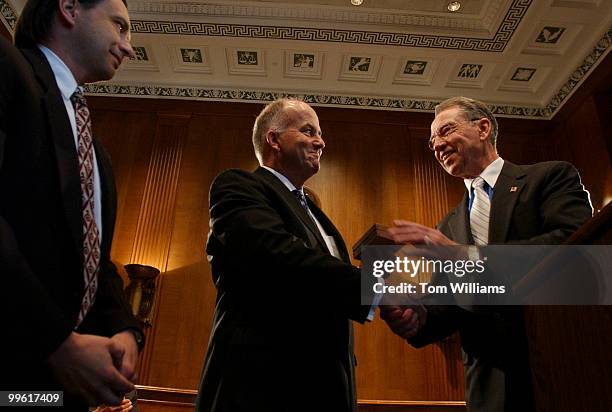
<point x="479" y="214"/>
<point x="91" y="234"/>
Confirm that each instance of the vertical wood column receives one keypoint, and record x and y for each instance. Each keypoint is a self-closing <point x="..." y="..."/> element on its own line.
<point x="432" y="202"/>
<point x="430" y="186"/>
<point x="156" y="217"/>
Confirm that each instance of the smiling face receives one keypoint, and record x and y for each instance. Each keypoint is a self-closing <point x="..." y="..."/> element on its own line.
<point x="462" y="146"/>
<point x="297" y="143"/>
<point x="102" y="40"/>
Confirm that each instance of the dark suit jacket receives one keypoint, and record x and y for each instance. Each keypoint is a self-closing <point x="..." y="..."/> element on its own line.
<point x="547" y="206"/>
<point x="282" y="337"/>
<point x="41" y="263"/>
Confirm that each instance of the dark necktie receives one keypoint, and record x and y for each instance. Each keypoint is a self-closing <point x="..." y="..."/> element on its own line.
<point x="91" y="234"/>
<point x="300" y="196"/>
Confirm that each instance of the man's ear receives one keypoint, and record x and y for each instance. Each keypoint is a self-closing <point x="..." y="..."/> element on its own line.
<point x="484" y="128"/>
<point x="68" y="11"/>
<point x="273" y="140"/>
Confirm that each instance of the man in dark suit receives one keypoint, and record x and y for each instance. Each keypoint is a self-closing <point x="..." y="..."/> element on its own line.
<point x="67" y="324"/>
<point x="504" y="203"/>
<point x="282" y="335"/>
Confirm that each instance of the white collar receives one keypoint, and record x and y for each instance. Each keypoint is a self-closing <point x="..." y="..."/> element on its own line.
<point x="283" y="179"/>
<point x="64" y="78"/>
<point x="490" y="174"/>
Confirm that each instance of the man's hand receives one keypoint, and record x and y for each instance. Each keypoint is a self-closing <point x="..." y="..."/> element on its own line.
<point x="404" y="321"/>
<point x="125" y="406"/>
<point x="403" y="231"/>
<point x="127" y="363"/>
<point x="85" y="366"/>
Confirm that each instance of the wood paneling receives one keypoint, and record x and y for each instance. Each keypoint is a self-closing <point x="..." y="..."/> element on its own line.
<point x="154" y="399"/>
<point x="590" y="150"/>
<point x="376" y="167"/>
<point x="151" y="244"/>
<point x="5" y="33"/>
<point x="603" y="102"/>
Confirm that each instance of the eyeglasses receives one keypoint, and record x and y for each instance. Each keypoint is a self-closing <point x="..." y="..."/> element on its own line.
<point x="445" y="131"/>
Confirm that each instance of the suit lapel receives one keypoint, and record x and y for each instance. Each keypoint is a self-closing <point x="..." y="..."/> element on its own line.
<point x="507" y="190"/>
<point x="459" y="224"/>
<point x="63" y="140"/>
<point x="293" y="203"/>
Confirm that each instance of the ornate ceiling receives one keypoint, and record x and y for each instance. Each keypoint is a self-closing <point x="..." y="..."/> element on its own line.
<point x="524" y="57"/>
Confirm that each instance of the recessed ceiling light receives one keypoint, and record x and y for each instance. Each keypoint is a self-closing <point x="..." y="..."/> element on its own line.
<point x="356" y="2"/>
<point x="454" y="6"/>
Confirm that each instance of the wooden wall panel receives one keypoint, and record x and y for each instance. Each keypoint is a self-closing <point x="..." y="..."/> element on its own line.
<point x="151" y="244"/>
<point x="376" y="167"/>
<point x="128" y="137"/>
<point x="214" y="143"/>
<point x="5" y="33"/>
<point x="590" y="151"/>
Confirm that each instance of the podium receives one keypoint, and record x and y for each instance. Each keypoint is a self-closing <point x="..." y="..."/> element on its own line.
<point x="570" y="347"/>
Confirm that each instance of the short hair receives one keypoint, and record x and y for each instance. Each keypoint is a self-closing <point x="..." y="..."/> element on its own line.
<point x="472" y="109"/>
<point x="273" y="115"/>
<point x="36" y="20"/>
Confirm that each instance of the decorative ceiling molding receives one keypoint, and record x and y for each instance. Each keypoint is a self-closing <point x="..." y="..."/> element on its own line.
<point x="259" y="96"/>
<point x="303" y="13"/>
<point x="581" y="73"/>
<point x="496" y="44"/>
<point x="192" y="57"/>
<point x="9" y="17"/>
<point x="362" y="102"/>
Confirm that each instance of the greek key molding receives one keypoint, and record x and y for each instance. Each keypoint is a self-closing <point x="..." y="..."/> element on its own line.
<point x="381" y="103"/>
<point x="496" y="44"/>
<point x="335" y="15"/>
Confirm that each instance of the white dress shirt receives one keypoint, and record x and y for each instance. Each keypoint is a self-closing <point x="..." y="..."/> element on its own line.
<point x="67" y="85"/>
<point x="489" y="175"/>
<point x="330" y="242"/>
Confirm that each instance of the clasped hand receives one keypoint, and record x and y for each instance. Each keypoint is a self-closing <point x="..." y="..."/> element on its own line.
<point x="405" y="319"/>
<point x="98" y="369"/>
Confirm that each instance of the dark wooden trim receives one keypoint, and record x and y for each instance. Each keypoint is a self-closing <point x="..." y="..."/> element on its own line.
<point x="4" y="32"/>
<point x="166" y="395"/>
<point x="413" y="404"/>
<point x="595" y="231"/>
<point x="186" y="397"/>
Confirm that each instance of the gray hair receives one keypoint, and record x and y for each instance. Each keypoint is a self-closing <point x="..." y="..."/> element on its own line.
<point x="473" y="110"/>
<point x="272" y="116"/>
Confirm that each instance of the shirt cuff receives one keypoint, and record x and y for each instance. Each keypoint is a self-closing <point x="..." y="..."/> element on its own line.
<point x="376" y="301"/>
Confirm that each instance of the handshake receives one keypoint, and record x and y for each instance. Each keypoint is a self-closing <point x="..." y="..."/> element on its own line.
<point x="405" y="320"/>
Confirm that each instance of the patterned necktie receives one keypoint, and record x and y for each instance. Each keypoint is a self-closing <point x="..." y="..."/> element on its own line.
<point x="91" y="237"/>
<point x="300" y="196"/>
<point x="479" y="215"/>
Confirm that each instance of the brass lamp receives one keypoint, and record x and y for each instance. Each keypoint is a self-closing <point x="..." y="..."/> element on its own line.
<point x="141" y="291"/>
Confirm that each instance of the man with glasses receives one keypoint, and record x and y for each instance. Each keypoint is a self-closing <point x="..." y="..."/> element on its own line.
<point x="282" y="335"/>
<point x="504" y="203"/>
